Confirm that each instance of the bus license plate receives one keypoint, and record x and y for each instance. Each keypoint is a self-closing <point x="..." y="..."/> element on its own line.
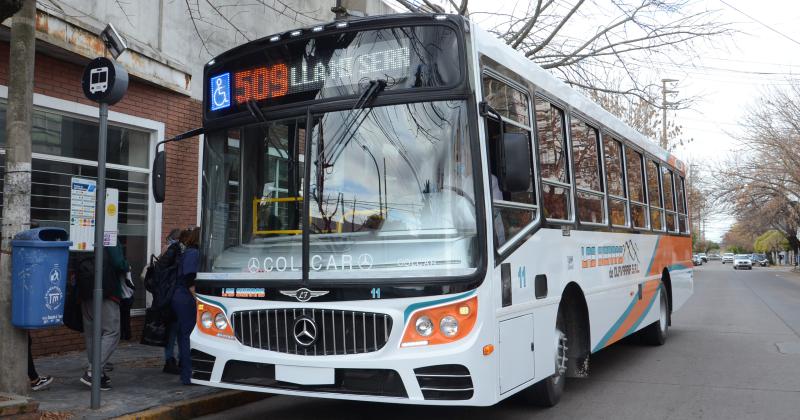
<point x="305" y="375"/>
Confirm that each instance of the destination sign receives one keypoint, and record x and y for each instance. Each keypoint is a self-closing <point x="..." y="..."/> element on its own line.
<point x="279" y="79"/>
<point x="332" y="65"/>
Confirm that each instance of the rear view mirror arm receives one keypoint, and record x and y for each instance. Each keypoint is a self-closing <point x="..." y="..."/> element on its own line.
<point x="159" y="174"/>
<point x="182" y="136"/>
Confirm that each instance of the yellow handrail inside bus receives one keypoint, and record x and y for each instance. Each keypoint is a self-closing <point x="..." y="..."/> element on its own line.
<point x="267" y="200"/>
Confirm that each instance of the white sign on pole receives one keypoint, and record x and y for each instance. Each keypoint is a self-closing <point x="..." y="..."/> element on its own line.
<point x="112" y="214"/>
<point x="81" y="215"/>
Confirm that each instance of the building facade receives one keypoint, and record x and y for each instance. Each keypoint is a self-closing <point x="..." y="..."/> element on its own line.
<point x="169" y="43"/>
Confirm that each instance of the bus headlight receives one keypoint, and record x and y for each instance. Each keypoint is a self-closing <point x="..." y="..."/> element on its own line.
<point x="220" y="322"/>
<point x="424" y="326"/>
<point x="205" y="319"/>
<point x="449" y="326"/>
<point x="211" y="320"/>
<point x="454" y="321"/>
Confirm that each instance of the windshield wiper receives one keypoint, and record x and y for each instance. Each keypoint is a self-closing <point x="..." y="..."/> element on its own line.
<point x="355" y="117"/>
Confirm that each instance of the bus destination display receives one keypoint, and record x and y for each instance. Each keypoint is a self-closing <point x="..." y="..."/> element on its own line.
<point x="332" y="66"/>
<point x="281" y="79"/>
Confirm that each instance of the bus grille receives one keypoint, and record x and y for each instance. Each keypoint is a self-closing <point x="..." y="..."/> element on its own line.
<point x="338" y="332"/>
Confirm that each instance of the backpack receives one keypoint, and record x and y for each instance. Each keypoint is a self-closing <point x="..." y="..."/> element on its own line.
<point x="85" y="277"/>
<point x="163" y="284"/>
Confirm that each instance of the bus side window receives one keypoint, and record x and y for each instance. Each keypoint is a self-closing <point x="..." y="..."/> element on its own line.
<point x="591" y="201"/>
<point x="616" y="182"/>
<point x="669" y="198"/>
<point x="682" y="207"/>
<point x="553" y="158"/>
<point x="633" y="165"/>
<point x="654" y="196"/>
<point x="511" y="211"/>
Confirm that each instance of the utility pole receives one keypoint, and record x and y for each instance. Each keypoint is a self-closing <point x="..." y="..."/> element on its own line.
<point x="664" y="104"/>
<point x="16" y="190"/>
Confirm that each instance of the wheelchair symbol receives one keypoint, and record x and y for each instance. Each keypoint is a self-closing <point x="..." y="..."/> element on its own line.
<point x="220" y="91"/>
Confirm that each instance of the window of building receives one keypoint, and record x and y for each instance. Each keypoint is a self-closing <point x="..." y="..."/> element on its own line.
<point x="669" y="199"/>
<point x="553" y="161"/>
<point x="654" y="196"/>
<point x="512" y="212"/>
<point x="66" y="147"/>
<point x="588" y="180"/>
<point x="615" y="180"/>
<point x="635" y="172"/>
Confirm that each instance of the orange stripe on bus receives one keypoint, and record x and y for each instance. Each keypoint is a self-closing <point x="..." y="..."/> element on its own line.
<point x="671" y="250"/>
<point x="648" y="291"/>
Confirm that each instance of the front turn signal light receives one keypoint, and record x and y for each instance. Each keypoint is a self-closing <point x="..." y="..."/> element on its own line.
<point x="211" y="320"/>
<point x="440" y="324"/>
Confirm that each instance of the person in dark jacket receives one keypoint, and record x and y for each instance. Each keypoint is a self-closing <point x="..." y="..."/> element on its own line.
<point x="183" y="302"/>
<point x="114" y="264"/>
<point x="167" y="258"/>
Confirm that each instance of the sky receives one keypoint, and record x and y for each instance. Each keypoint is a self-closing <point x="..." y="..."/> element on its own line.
<point x="725" y="76"/>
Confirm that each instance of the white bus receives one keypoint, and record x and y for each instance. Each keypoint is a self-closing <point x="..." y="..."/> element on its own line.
<point x="404" y="209"/>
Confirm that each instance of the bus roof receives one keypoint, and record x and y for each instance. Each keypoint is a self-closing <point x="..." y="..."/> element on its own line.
<point x="499" y="51"/>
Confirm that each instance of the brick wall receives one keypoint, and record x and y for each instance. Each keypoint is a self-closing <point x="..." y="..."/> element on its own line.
<point x="63" y="339"/>
<point x="179" y="113"/>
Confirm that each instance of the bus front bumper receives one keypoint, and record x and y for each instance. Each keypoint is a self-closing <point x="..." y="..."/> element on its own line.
<point x="453" y="374"/>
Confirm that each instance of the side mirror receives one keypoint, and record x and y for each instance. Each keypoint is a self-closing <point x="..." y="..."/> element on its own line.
<point x="159" y="176"/>
<point x="515" y="167"/>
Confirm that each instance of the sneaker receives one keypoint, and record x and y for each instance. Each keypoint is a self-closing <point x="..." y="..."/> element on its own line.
<point x="109" y="367"/>
<point x="105" y="381"/>
<point x="41" y="383"/>
<point x="171" y="366"/>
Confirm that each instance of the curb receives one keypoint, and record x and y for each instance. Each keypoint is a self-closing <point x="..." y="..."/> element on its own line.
<point x="200" y="406"/>
<point x="18" y="407"/>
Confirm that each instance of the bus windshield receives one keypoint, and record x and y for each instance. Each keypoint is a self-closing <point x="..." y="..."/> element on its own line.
<point x="390" y="195"/>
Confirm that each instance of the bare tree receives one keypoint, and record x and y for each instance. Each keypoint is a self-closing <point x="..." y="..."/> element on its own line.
<point x="761" y="182"/>
<point x="589" y="43"/>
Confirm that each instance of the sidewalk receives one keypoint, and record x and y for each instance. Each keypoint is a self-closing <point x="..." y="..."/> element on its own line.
<point x="137" y="384"/>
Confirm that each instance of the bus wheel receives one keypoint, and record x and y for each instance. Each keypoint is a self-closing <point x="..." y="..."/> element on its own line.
<point x="547" y="392"/>
<point x="655" y="334"/>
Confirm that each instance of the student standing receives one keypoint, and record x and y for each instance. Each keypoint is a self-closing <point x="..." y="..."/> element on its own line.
<point x="114" y="264"/>
<point x="183" y="302"/>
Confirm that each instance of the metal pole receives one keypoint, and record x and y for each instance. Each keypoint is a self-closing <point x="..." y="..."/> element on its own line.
<point x="99" y="227"/>
<point x="664" y="143"/>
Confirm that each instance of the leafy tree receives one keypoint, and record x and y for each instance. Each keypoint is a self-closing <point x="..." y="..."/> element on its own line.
<point x="771" y="241"/>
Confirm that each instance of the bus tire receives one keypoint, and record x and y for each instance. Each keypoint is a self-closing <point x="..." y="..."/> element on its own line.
<point x="655" y="334"/>
<point x="548" y="391"/>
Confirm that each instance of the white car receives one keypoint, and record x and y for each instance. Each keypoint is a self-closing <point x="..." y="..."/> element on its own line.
<point x="727" y="257"/>
<point x="742" y="261"/>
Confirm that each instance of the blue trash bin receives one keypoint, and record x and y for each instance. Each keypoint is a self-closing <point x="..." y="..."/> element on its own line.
<point x="39" y="277"/>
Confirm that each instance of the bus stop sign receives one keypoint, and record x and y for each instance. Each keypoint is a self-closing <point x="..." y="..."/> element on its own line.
<point x="104" y="81"/>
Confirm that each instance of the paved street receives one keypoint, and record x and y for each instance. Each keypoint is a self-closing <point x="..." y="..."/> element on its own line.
<point x="733" y="353"/>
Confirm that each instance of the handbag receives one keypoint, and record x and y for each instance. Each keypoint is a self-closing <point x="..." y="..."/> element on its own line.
<point x="126" y="284"/>
<point x="154" y="332"/>
<point x="73" y="316"/>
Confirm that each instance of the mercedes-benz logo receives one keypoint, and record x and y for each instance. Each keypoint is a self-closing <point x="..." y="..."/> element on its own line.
<point x="305" y="331"/>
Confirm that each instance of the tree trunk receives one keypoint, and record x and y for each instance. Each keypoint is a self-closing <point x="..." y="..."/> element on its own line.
<point x="17" y="190"/>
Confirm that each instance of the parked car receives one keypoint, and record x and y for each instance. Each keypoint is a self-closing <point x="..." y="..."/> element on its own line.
<point x="727" y="257"/>
<point x="714" y="257"/>
<point x="696" y="260"/>
<point x="759" y="259"/>
<point x="742" y="261"/>
<point x="703" y="256"/>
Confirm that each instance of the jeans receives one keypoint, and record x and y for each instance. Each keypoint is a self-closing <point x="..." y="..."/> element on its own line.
<point x="184" y="306"/>
<point x="32" y="374"/>
<point x="172" y="337"/>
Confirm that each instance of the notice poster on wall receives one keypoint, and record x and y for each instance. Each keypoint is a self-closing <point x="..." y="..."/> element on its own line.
<point x="83" y="193"/>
